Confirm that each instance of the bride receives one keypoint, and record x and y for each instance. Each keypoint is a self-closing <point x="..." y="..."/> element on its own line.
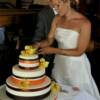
<point x="72" y="31"/>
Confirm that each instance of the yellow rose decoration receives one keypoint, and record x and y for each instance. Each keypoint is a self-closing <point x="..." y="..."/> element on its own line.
<point x="43" y="63"/>
<point x="29" y="50"/>
<point x="55" y="88"/>
<point x="28" y="47"/>
<point x="24" y="84"/>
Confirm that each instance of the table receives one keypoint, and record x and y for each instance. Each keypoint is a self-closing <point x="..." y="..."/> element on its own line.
<point x="80" y="95"/>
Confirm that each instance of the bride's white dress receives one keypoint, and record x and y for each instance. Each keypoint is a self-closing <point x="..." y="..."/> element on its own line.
<point x="73" y="70"/>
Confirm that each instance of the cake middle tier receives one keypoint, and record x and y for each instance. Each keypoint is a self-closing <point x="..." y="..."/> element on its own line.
<point x="27" y="73"/>
<point x="29" y="61"/>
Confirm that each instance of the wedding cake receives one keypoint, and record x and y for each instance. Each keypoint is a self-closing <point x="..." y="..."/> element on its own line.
<point x="28" y="80"/>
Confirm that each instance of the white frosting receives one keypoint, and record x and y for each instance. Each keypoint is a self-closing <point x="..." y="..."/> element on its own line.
<point x="35" y="56"/>
<point x="20" y="79"/>
<point x="28" y="94"/>
<point x="27" y="73"/>
<point x="46" y="82"/>
<point x="26" y="65"/>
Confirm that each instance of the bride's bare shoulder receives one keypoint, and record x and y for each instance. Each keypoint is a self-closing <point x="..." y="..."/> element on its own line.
<point x="83" y="19"/>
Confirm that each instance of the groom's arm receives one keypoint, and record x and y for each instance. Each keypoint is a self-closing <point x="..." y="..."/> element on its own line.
<point x="40" y="28"/>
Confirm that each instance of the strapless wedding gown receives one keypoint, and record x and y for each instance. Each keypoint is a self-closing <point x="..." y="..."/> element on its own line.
<point x="73" y="70"/>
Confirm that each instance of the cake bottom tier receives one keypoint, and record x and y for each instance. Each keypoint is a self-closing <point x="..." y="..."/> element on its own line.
<point x="28" y="98"/>
<point x="26" y="90"/>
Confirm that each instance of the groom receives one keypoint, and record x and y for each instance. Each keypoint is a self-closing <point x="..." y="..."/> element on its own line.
<point x="44" y="21"/>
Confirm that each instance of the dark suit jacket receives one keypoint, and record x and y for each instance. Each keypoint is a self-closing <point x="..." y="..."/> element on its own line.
<point x="43" y="26"/>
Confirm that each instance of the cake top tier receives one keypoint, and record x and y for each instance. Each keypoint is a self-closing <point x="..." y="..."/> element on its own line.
<point x="30" y="53"/>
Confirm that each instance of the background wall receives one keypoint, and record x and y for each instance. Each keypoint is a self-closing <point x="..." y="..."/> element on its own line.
<point x="44" y="2"/>
<point x="10" y="1"/>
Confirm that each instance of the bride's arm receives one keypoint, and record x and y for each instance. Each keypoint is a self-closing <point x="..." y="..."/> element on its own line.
<point x="82" y="44"/>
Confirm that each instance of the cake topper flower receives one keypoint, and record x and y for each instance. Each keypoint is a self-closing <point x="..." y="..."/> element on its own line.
<point x="28" y="50"/>
<point x="55" y="88"/>
<point x="24" y="84"/>
<point x="43" y="63"/>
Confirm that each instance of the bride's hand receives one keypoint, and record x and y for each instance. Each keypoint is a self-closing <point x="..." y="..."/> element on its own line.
<point x="36" y="45"/>
<point x="46" y="50"/>
<point x="40" y="44"/>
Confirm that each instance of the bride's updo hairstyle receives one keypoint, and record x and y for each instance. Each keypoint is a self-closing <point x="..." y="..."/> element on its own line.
<point x="73" y="3"/>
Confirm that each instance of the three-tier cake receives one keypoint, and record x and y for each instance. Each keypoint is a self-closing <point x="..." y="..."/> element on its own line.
<point x="28" y="80"/>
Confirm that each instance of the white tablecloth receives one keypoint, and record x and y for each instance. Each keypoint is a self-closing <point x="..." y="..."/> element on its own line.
<point x="72" y="95"/>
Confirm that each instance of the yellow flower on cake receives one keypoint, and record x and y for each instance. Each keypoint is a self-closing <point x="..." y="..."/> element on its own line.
<point x="55" y="88"/>
<point x="24" y="84"/>
<point x="28" y="47"/>
<point x="28" y="50"/>
<point x="22" y="52"/>
<point x="43" y="63"/>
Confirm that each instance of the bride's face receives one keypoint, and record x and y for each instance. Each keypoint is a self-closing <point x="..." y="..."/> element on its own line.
<point x="62" y="7"/>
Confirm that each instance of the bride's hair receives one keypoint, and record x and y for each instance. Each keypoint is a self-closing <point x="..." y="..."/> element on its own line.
<point x="73" y="3"/>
